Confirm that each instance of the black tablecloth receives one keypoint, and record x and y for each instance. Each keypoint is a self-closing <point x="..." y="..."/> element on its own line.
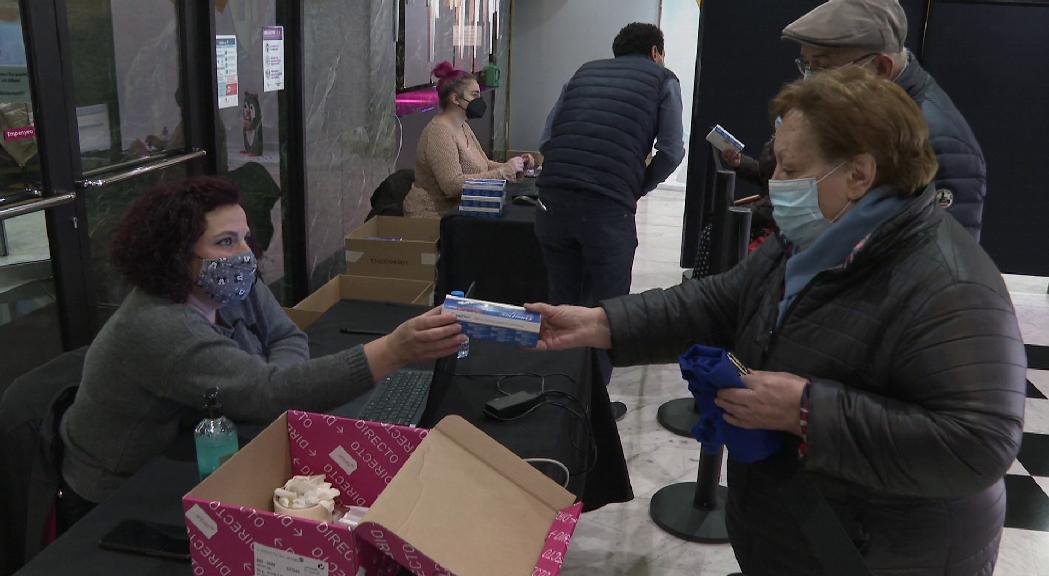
<point x="502" y="255"/>
<point x="155" y="492"/>
<point x="326" y="336"/>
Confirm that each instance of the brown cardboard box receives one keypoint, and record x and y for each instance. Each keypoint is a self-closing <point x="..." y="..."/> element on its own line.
<point x="393" y="247"/>
<point x="448" y="501"/>
<point x="347" y="287"/>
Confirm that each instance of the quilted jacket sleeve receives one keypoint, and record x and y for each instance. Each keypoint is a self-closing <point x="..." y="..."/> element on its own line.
<point x="961" y="367"/>
<point x="657" y="326"/>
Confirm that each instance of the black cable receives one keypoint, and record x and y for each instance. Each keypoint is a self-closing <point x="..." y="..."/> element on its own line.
<point x="583" y="415"/>
<point x="499" y="382"/>
<point x="502" y="377"/>
<point x="591" y="449"/>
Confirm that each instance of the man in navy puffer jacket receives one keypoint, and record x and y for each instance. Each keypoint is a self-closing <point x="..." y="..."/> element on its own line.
<point x="871" y="34"/>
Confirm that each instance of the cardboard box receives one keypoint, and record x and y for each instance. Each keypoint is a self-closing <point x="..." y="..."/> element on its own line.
<point x="393" y="247"/>
<point x="442" y="502"/>
<point x="347" y="287"/>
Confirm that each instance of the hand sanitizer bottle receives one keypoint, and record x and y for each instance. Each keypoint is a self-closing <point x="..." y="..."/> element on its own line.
<point x="215" y="435"/>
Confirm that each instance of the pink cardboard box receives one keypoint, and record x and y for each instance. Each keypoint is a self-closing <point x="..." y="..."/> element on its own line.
<point x="445" y="501"/>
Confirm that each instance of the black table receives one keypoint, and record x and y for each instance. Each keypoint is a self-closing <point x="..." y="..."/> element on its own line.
<point x="155" y="492"/>
<point x="501" y="255"/>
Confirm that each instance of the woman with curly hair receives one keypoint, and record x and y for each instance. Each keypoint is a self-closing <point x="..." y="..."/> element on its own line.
<point x="196" y="319"/>
<point x="449" y="152"/>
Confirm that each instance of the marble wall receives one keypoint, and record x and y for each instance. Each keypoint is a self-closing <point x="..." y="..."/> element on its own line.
<point x="351" y="131"/>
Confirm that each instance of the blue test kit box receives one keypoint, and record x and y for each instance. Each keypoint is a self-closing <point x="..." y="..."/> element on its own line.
<point x="483" y="198"/>
<point x="496" y="322"/>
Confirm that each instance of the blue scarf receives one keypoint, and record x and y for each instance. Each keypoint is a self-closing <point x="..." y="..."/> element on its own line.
<point x="834" y="247"/>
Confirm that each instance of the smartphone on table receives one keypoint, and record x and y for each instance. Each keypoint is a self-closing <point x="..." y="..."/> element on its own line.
<point x="148" y="538"/>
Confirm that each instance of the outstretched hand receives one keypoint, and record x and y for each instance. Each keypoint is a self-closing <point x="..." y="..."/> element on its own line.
<point x="565" y="327"/>
<point x="428" y="336"/>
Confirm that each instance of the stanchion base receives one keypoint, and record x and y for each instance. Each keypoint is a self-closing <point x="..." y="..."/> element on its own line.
<point x="672" y="510"/>
<point x="678" y="416"/>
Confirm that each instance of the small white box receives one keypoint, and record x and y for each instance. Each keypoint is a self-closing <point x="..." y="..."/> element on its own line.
<point x="723" y="140"/>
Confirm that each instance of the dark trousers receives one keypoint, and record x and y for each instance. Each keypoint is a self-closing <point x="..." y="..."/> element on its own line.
<point x="588" y="249"/>
<point x="588" y="252"/>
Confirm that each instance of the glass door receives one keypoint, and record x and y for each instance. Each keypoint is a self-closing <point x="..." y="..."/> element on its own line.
<point x="96" y="107"/>
<point x="102" y="99"/>
<point x="34" y="218"/>
<point x="128" y="101"/>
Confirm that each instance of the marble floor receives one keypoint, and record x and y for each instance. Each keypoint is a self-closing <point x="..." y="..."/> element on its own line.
<point x="622" y="540"/>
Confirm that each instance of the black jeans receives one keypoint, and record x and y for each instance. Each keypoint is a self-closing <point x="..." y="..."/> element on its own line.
<point x="588" y="251"/>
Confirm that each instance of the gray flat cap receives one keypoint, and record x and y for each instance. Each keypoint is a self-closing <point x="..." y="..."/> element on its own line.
<point x="875" y="25"/>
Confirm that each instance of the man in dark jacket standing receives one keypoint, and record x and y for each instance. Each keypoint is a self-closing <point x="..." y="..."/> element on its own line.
<point x="594" y="146"/>
<point x="871" y="34"/>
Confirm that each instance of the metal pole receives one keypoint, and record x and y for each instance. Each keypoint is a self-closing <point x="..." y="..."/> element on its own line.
<point x="704" y="519"/>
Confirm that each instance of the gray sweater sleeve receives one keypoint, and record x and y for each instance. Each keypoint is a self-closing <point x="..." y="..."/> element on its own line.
<point x="255" y="388"/>
<point x="287" y="344"/>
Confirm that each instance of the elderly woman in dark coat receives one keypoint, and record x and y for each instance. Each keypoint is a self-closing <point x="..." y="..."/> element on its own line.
<point x="884" y="345"/>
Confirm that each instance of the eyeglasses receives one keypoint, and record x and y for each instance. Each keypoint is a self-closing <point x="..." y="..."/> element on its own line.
<point x="805" y="69"/>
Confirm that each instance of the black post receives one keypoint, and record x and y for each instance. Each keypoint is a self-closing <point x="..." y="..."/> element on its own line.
<point x="723" y="252"/>
<point x="703" y="520"/>
<point x="707" y="480"/>
<point x="729" y="246"/>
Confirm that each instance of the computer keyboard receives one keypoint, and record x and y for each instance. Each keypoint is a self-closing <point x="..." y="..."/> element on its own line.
<point x="399" y="399"/>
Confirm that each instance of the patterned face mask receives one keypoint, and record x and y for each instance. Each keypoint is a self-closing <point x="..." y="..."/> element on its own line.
<point x="228" y="278"/>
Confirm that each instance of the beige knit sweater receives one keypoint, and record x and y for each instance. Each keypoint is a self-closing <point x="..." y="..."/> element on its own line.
<point x="447" y="155"/>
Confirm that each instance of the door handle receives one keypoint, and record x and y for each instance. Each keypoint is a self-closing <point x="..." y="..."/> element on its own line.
<point x="26" y="206"/>
<point x="21" y="196"/>
<point x="140" y="170"/>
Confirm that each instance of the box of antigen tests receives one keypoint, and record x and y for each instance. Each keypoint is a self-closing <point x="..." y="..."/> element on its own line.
<point x="723" y="140"/>
<point x="497" y="322"/>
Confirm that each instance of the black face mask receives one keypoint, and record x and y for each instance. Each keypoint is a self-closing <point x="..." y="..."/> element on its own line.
<point x="476" y="108"/>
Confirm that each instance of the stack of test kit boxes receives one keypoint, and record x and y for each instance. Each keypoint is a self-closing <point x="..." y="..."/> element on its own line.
<point x="483" y="320"/>
<point x="483" y="198"/>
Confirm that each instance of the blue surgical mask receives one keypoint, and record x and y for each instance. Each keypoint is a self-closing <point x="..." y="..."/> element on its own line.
<point x="796" y="209"/>
<point x="229" y="278"/>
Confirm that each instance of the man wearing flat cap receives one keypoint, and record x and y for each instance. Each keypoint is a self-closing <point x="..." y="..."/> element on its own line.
<point x="871" y="34"/>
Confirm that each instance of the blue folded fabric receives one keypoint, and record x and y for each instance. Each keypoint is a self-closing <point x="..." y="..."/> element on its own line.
<point x="708" y="370"/>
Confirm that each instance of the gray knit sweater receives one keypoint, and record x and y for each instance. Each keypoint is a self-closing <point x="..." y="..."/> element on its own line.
<point x="152" y="362"/>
